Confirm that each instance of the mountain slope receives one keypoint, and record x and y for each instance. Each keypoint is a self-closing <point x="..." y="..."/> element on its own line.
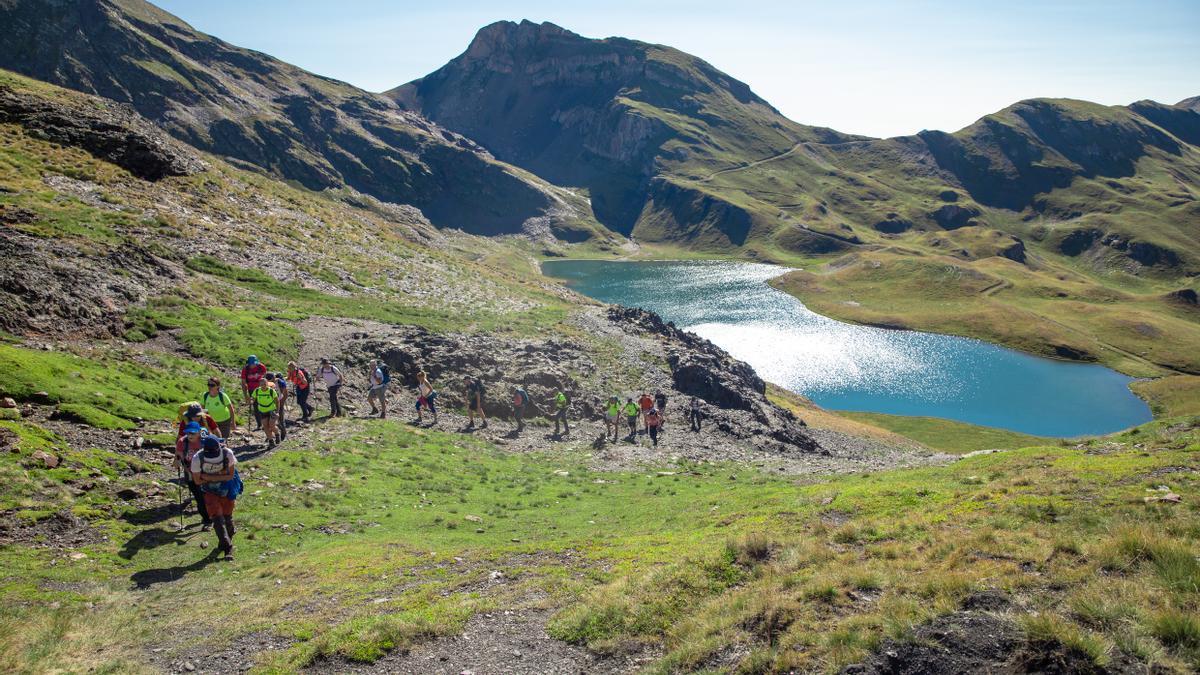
<point x="607" y="115"/>
<point x="676" y="152"/>
<point x="253" y="108"/>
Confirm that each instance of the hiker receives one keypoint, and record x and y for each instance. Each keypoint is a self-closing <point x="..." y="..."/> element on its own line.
<point x="192" y="411"/>
<point x="520" y="400"/>
<point x="220" y="408"/>
<point x="302" y="385"/>
<point x="281" y="386"/>
<point x="612" y="412"/>
<point x="426" y="396"/>
<point x="266" y="403"/>
<point x="694" y="414"/>
<point x="645" y="403"/>
<point x="377" y="391"/>
<point x="660" y="402"/>
<point x="632" y="413"/>
<point x="333" y="384"/>
<point x="186" y="445"/>
<point x="252" y="374"/>
<point x="653" y="424"/>
<point x="475" y="402"/>
<point x="215" y="470"/>
<point x="560" y="411"/>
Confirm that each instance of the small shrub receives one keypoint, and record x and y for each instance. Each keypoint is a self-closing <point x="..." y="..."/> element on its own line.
<point x="1178" y="631"/>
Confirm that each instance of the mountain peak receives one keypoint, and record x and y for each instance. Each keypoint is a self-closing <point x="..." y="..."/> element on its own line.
<point x="506" y="36"/>
<point x="1192" y="103"/>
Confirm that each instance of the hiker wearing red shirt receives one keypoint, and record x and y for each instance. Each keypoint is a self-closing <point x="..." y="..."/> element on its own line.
<point x="645" y="403"/>
<point x="252" y="374"/>
<point x="301" y="382"/>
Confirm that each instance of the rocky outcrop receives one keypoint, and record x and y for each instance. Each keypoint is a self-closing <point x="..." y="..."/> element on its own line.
<point x="1186" y="297"/>
<point x="953" y="216"/>
<point x="893" y="224"/>
<point x="110" y="132"/>
<point x="701" y="369"/>
<point x="734" y="397"/>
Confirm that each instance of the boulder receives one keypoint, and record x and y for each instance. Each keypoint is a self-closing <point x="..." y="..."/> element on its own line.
<point x="46" y="459"/>
<point x="953" y="216"/>
<point x="7" y="402"/>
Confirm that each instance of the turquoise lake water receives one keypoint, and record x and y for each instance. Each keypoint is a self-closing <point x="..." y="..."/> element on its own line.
<point x="846" y="367"/>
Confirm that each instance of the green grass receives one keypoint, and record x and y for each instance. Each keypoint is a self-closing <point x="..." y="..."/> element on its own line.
<point x="948" y="435"/>
<point x="108" y="388"/>
<point x="391" y="548"/>
<point x="218" y="334"/>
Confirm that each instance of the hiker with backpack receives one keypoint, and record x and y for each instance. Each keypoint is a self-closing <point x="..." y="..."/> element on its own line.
<point x="214" y="469"/>
<point x="645" y="403"/>
<point x="220" y="408"/>
<point x="612" y="414"/>
<point x="334" y="380"/>
<point x="192" y="411"/>
<point x="520" y="400"/>
<point x="302" y="384"/>
<point x="378" y="378"/>
<point x="265" y="400"/>
<point x="660" y="402"/>
<point x="632" y="413"/>
<point x="654" y="424"/>
<point x="252" y="374"/>
<point x="186" y="446"/>
<point x="425" y="397"/>
<point x="560" y="411"/>
<point x="475" y="402"/>
<point x="694" y="413"/>
<point x="281" y="386"/>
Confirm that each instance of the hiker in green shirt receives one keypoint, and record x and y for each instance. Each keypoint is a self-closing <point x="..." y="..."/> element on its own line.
<point x="220" y="407"/>
<point x="560" y="412"/>
<point x="632" y="413"/>
<point x="612" y="413"/>
<point x="265" y="400"/>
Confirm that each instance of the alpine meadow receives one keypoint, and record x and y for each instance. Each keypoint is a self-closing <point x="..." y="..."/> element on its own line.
<point x="576" y="355"/>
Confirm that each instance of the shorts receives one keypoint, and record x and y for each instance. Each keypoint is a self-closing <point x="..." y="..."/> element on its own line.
<point x="217" y="506"/>
<point x="225" y="428"/>
<point x="475" y="407"/>
<point x="272" y="415"/>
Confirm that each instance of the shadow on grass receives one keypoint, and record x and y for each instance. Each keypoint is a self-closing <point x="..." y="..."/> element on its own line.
<point x="147" y="578"/>
<point x="153" y="538"/>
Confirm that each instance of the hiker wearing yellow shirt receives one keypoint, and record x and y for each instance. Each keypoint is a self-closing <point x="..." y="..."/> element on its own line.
<point x="220" y="408"/>
<point x="265" y="400"/>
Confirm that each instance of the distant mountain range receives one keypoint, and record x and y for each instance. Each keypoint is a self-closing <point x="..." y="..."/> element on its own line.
<point x="533" y="123"/>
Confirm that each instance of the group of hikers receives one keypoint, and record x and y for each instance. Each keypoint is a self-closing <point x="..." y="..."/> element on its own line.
<point x="209" y="468"/>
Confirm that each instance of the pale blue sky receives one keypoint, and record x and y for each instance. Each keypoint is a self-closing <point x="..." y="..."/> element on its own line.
<point x="870" y="67"/>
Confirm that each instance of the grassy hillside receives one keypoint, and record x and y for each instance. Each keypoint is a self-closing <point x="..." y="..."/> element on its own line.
<point x="252" y="108"/>
<point x="367" y="538"/>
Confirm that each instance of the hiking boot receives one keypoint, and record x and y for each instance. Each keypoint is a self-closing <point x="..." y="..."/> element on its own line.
<point x="271" y="444"/>
<point x="229" y="555"/>
<point x="484" y="425"/>
<point x="374" y="411"/>
<point x="223" y="541"/>
<point x="206" y="526"/>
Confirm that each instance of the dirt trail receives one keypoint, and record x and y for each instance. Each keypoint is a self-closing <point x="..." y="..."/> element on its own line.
<point x="753" y="164"/>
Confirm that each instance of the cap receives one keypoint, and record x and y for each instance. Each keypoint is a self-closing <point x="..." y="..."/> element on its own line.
<point x="210" y="443"/>
<point x="192" y="428"/>
<point x="252" y="360"/>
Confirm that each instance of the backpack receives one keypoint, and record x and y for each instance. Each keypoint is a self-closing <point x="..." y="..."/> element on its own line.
<point x="308" y="378"/>
<point x="387" y="374"/>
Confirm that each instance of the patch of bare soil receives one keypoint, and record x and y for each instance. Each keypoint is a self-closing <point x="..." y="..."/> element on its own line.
<point x="982" y="642"/>
<point x="512" y="642"/>
<point x="61" y="530"/>
<point x="194" y="654"/>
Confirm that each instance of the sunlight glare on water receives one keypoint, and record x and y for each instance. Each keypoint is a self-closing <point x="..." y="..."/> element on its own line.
<point x="847" y="367"/>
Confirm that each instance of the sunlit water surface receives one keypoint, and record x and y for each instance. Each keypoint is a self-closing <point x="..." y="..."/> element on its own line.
<point x="846" y="367"/>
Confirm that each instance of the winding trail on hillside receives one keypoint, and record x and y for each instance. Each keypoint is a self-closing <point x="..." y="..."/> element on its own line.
<point x="753" y="164"/>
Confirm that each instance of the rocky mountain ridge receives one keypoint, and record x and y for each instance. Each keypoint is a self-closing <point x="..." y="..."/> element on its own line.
<point x="273" y="116"/>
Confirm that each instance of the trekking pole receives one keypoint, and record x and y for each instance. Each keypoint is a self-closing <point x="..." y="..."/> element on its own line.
<point x="179" y="495"/>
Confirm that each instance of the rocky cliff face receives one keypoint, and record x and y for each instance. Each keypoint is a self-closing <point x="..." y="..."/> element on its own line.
<point x="601" y="114"/>
<point x="250" y="107"/>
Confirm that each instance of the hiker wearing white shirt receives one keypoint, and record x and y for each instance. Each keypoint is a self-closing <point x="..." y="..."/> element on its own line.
<point x="333" y="384"/>
<point x="377" y="392"/>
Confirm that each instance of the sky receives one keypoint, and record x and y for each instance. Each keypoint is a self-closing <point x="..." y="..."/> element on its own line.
<point x="870" y="67"/>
